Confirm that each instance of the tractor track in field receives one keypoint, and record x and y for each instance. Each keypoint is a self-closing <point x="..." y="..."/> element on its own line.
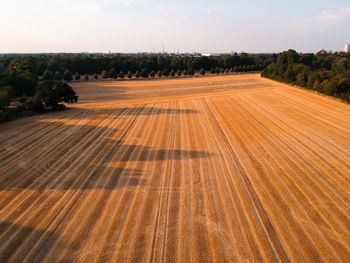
<point x="234" y="168"/>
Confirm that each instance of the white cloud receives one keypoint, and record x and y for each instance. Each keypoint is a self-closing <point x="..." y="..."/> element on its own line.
<point x="333" y="16"/>
<point x="326" y="20"/>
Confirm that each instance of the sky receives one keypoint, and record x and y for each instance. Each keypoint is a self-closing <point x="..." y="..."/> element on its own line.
<point x="253" y="26"/>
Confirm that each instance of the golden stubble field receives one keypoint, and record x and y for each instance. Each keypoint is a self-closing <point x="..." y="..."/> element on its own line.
<point x="216" y="169"/>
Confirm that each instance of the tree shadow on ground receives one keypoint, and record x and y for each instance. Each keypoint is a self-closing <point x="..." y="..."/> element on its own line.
<point x="15" y="250"/>
<point x="77" y="157"/>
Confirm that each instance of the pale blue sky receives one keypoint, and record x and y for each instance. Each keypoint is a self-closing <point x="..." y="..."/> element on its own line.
<point x="187" y="26"/>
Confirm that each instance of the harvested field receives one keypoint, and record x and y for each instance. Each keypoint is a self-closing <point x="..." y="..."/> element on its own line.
<point x="216" y="169"/>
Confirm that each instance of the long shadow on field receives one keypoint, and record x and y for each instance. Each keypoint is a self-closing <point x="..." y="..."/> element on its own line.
<point x="64" y="154"/>
<point x="144" y="153"/>
<point x="127" y="111"/>
<point x="16" y="236"/>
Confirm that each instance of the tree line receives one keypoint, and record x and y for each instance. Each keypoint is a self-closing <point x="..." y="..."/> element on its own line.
<point x="23" y="76"/>
<point x="325" y="73"/>
<point x="20" y="81"/>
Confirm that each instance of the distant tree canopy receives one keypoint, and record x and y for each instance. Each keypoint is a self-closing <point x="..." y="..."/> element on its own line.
<point x="328" y="74"/>
<point x="90" y="64"/>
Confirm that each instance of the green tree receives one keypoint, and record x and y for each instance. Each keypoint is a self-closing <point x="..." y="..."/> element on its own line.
<point x="57" y="76"/>
<point x="47" y="75"/>
<point x="67" y="75"/>
<point x="50" y="93"/>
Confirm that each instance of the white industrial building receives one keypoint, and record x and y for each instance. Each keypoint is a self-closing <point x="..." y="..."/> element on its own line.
<point x="347" y="48"/>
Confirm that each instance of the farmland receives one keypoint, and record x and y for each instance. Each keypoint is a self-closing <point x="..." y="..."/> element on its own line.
<point x="214" y="169"/>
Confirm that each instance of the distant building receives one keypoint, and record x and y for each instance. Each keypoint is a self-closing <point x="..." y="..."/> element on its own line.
<point x="347" y="48"/>
<point x="215" y="54"/>
<point x="324" y="52"/>
<point x="211" y="55"/>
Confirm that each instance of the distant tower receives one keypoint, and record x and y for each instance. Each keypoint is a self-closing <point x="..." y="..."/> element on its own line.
<point x="347" y="48"/>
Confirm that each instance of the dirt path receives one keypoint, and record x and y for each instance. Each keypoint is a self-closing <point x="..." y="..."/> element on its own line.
<point x="219" y="169"/>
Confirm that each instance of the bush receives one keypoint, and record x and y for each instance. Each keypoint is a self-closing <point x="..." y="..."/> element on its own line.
<point x="144" y="73"/>
<point x="185" y="72"/>
<point x="86" y="78"/>
<point x="152" y="74"/>
<point x="202" y="72"/>
<point x="77" y="76"/>
<point x="113" y="74"/>
<point x="129" y="74"/>
<point x="57" y="76"/>
<point x="137" y="74"/>
<point x="178" y="73"/>
<point x="121" y="74"/>
<point x="4" y="98"/>
<point x="212" y="71"/>
<point x="165" y="72"/>
<point x="23" y="101"/>
<point x="159" y="73"/>
<point x="67" y="75"/>
<point x="190" y="71"/>
<point x="96" y="76"/>
<point x="172" y="73"/>
<point x="104" y="74"/>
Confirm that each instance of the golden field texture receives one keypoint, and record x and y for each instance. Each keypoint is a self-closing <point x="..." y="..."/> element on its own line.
<point x="216" y="169"/>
